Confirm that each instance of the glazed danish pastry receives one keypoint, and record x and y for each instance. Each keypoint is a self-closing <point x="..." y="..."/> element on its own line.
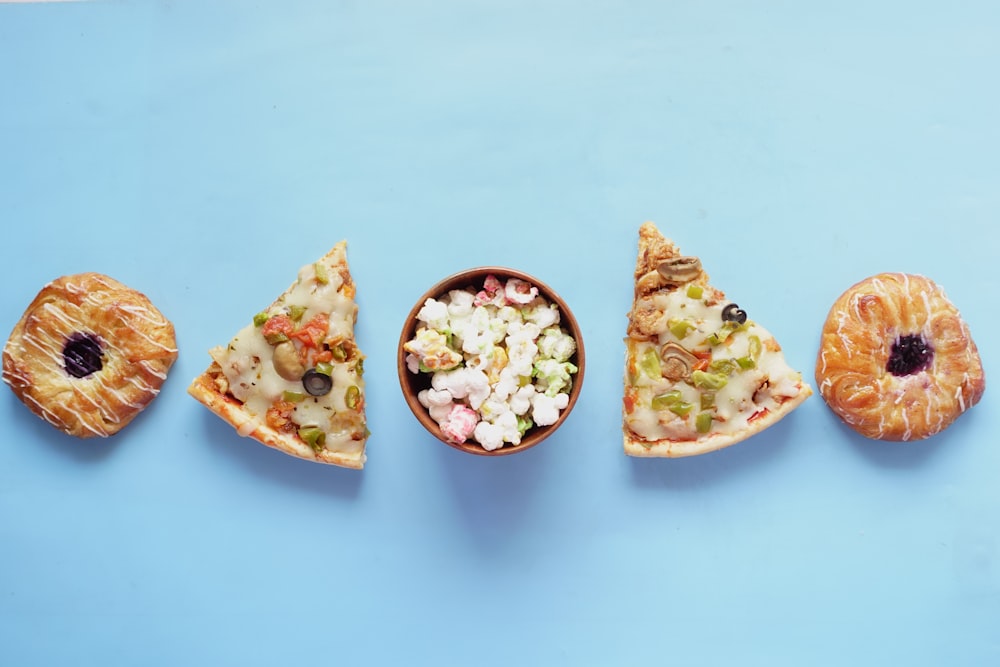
<point x="89" y="354"/>
<point x="896" y="360"/>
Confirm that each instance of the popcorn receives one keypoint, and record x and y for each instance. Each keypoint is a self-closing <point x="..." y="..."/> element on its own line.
<point x="493" y="435"/>
<point x="499" y="362"/>
<point x="556" y="344"/>
<point x="438" y="404"/>
<point x="430" y="348"/>
<point x="464" y="383"/>
<point x="434" y="314"/>
<point x="490" y="436"/>
<point x="545" y="409"/>
<point x="554" y="375"/>
<point x="459" y="303"/>
<point x="519" y="291"/>
<point x="543" y="316"/>
<point x="460" y="424"/>
<point x="520" y="401"/>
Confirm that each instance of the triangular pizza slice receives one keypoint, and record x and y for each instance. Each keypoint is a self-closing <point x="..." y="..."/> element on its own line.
<point x="292" y="378"/>
<point x="699" y="374"/>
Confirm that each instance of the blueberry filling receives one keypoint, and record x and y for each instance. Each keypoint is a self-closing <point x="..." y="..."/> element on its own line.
<point x="82" y="355"/>
<point x="910" y="354"/>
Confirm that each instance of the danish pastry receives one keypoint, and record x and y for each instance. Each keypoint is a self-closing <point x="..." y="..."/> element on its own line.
<point x="896" y="360"/>
<point x="89" y="354"/>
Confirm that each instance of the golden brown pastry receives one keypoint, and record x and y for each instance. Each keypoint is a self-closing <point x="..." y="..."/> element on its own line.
<point x="89" y="354"/>
<point x="896" y="361"/>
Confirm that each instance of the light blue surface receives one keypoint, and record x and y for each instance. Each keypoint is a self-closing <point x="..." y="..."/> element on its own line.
<point x="201" y="152"/>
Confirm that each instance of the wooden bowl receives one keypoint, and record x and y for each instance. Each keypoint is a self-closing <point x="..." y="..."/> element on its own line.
<point x="413" y="383"/>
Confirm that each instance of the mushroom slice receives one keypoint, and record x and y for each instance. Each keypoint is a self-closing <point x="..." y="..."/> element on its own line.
<point x="677" y="362"/>
<point x="679" y="270"/>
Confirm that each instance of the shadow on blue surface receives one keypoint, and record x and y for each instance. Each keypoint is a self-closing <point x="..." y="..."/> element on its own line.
<point x="84" y="450"/>
<point x="904" y="455"/>
<point x="494" y="496"/>
<point x="712" y="468"/>
<point x="264" y="462"/>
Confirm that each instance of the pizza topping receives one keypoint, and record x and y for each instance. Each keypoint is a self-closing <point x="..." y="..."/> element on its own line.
<point x="322" y="276"/>
<point x="733" y="313"/>
<point x="704" y="380"/>
<point x="703" y="422"/>
<point x="312" y="333"/>
<point x="352" y="397"/>
<point x="286" y="361"/>
<point x="316" y="383"/>
<point x="677" y="362"/>
<point x="338" y="353"/>
<point x="679" y="270"/>
<point x="650" y="364"/>
<point x="313" y="436"/>
<point x="672" y="400"/>
<point x="722" y="334"/>
<point x="277" y="329"/>
<point x="713" y="381"/>
<point x="681" y="327"/>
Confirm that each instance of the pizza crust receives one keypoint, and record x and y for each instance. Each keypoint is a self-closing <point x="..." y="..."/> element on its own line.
<point x="205" y="390"/>
<point x="678" y="448"/>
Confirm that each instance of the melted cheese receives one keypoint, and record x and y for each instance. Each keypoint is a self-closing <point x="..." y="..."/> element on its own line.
<point x="746" y="393"/>
<point x="248" y="364"/>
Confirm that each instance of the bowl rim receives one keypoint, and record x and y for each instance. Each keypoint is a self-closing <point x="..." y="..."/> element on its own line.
<point x="467" y="278"/>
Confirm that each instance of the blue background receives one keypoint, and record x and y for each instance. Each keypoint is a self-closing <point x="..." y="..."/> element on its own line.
<point x="201" y="152"/>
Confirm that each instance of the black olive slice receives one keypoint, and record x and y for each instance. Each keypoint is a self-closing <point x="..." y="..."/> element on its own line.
<point x="316" y="383"/>
<point x="733" y="313"/>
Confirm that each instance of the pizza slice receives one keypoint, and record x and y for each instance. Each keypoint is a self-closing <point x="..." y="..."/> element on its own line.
<point x="292" y="378"/>
<point x="699" y="375"/>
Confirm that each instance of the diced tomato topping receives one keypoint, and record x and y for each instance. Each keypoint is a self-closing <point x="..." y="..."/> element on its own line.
<point x="312" y="333"/>
<point x="704" y="359"/>
<point x="629" y="402"/>
<point x="326" y="356"/>
<point x="757" y="415"/>
<point x="279" y="324"/>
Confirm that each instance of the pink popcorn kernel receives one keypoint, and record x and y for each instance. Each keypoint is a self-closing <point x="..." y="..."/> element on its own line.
<point x="491" y="288"/>
<point x="520" y="291"/>
<point x="460" y="424"/>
